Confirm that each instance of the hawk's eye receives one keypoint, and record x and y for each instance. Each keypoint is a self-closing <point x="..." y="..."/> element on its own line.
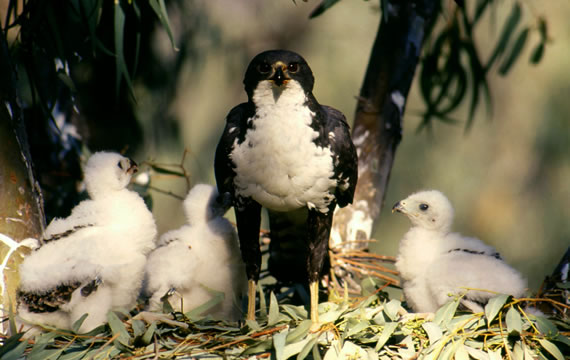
<point x="293" y="67"/>
<point x="423" y="207"/>
<point x="120" y="165"/>
<point x="264" y="68"/>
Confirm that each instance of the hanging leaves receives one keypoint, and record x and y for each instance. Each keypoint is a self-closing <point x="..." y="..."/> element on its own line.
<point x="159" y="8"/>
<point x="452" y="67"/>
<point x="516" y="51"/>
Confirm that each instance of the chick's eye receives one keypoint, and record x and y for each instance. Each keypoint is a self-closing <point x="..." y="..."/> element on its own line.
<point x="293" y="67"/>
<point x="263" y="68"/>
<point x="120" y="165"/>
<point x="423" y="207"/>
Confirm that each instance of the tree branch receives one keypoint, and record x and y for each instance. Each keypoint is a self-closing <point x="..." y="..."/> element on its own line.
<point x="378" y="123"/>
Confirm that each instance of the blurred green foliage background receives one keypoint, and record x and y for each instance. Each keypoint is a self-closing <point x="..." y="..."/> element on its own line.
<point x="508" y="176"/>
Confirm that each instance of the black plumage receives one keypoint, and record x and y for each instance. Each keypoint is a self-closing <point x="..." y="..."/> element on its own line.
<point x="282" y="150"/>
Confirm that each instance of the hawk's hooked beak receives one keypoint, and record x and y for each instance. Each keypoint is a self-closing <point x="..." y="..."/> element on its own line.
<point x="279" y="78"/>
<point x="399" y="208"/>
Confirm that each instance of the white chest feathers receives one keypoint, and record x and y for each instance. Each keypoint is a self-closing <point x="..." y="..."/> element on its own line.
<point x="278" y="164"/>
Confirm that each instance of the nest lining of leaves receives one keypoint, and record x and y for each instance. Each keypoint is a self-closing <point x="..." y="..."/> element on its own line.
<point x="370" y="326"/>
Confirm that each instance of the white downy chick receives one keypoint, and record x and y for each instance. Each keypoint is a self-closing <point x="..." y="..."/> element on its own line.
<point x="92" y="261"/>
<point x="197" y="258"/>
<point x="435" y="264"/>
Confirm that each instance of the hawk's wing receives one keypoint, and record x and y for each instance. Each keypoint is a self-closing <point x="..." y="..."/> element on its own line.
<point x="344" y="153"/>
<point x="236" y="127"/>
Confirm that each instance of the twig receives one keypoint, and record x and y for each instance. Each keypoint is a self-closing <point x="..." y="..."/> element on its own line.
<point x="374" y="273"/>
<point x="170" y="193"/>
<point x="365" y="265"/>
<point x="252" y="336"/>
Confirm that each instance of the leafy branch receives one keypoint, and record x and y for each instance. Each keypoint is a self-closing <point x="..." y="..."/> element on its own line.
<point x="372" y="326"/>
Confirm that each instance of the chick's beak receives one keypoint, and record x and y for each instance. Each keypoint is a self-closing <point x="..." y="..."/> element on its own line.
<point x="279" y="78"/>
<point x="399" y="208"/>
<point x="133" y="168"/>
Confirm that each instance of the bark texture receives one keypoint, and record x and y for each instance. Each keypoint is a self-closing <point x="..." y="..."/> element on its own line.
<point x="21" y="213"/>
<point x="378" y="121"/>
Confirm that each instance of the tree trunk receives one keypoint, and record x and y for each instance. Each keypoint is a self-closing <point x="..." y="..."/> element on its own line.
<point x="21" y="213"/>
<point x="378" y="122"/>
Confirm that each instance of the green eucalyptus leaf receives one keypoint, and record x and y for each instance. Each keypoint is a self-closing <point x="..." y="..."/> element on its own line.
<point x="333" y="351"/>
<point x="300" y="331"/>
<point x="139" y="328"/>
<point x="330" y="312"/>
<point x="508" y="30"/>
<point x="38" y="351"/>
<point x="461" y="353"/>
<point x="447" y="353"/>
<point x="551" y="348"/>
<point x="494" y="355"/>
<point x="391" y="309"/>
<point x="477" y="353"/>
<point x="73" y="354"/>
<point x="257" y="347"/>
<point x="308" y="347"/>
<point x="433" y="331"/>
<point x="323" y="6"/>
<point x="563" y="339"/>
<point x="479" y="82"/>
<point x="528" y="352"/>
<point x="118" y="327"/>
<point x="516" y="50"/>
<point x="352" y="351"/>
<point x="273" y="316"/>
<point x="543" y="28"/>
<point x="253" y="325"/>
<point x="46" y="354"/>
<point x="355" y="327"/>
<point x="387" y="332"/>
<point x="16" y="352"/>
<point x="149" y="334"/>
<point x="514" y="321"/>
<point x="495" y="305"/>
<point x="445" y="313"/>
<point x="295" y="312"/>
<point x="368" y="286"/>
<point x="406" y="348"/>
<point x="159" y="8"/>
<point x="296" y="347"/>
<point x="316" y="353"/>
<point x="120" y="64"/>
<point x="77" y="324"/>
<point x="279" y="341"/>
<point x="537" y="53"/>
<point x="518" y="352"/>
<point x="546" y="327"/>
<point x="262" y="303"/>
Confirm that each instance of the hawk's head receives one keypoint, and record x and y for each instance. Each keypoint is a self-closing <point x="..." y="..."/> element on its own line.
<point x="278" y="67"/>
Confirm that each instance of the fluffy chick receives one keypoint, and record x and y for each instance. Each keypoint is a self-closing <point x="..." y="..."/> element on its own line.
<point x="197" y="258"/>
<point x="435" y="263"/>
<point x="92" y="261"/>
